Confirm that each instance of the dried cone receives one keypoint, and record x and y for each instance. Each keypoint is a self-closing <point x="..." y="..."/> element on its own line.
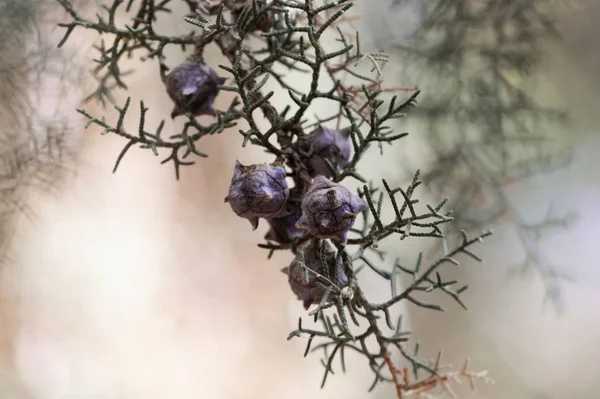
<point x="283" y="230"/>
<point x="264" y="23"/>
<point x="258" y="191"/>
<point x="193" y="87"/>
<point x="329" y="210"/>
<point x="305" y="284"/>
<point x="326" y="144"/>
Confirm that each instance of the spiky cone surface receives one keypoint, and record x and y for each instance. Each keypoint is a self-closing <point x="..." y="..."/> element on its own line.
<point x="329" y="210"/>
<point x="258" y="191"/>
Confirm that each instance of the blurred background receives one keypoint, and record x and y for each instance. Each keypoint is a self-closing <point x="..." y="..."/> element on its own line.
<point x="133" y="285"/>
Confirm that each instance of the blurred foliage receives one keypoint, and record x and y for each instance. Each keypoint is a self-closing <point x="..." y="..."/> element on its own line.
<point x="484" y="127"/>
<point x="33" y="146"/>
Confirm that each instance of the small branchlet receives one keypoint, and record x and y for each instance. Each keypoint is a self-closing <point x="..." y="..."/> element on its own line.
<point x="179" y="146"/>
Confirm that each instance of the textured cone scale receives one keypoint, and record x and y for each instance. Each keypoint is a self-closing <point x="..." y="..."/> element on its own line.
<point x="326" y="144"/>
<point x="258" y="191"/>
<point x="305" y="284"/>
<point x="329" y="210"/>
<point x="193" y="87"/>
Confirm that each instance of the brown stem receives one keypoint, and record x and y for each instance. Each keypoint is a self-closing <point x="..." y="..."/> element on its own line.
<point x="394" y="371"/>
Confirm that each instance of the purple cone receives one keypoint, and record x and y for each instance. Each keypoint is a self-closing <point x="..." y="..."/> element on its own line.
<point x="283" y="230"/>
<point x="329" y="210"/>
<point x="258" y="191"/>
<point x="326" y="144"/>
<point x="264" y="23"/>
<point x="305" y="284"/>
<point x="193" y="87"/>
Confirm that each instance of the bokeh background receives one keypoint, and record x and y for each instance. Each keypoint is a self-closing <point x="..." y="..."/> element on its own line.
<point x="134" y="285"/>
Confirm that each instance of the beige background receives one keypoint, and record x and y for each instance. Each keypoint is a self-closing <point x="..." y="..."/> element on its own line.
<point x="134" y="285"/>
